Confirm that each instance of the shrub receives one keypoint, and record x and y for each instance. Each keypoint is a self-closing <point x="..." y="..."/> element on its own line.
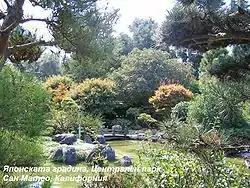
<point x="63" y="121"/>
<point x="147" y="120"/>
<point x="59" y="87"/>
<point x="179" y="169"/>
<point x="23" y="112"/>
<point x="167" y="96"/>
<point x="23" y="103"/>
<point x="96" y="96"/>
<point x="90" y="124"/>
<point x="142" y="71"/>
<point x="18" y="149"/>
<point x="220" y="106"/>
<point x="125" y="123"/>
<point x="246" y="110"/>
<point x="180" y="111"/>
<point x="54" y="82"/>
<point x="117" y="180"/>
<point x="132" y="114"/>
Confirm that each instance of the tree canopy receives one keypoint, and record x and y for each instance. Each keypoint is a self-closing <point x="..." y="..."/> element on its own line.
<point x="77" y="26"/>
<point x="204" y="25"/>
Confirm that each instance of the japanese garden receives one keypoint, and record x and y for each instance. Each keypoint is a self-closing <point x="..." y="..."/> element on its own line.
<point x="166" y="105"/>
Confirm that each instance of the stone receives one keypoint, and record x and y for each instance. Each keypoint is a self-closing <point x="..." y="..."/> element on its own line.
<point x="88" y="139"/>
<point x="58" y="137"/>
<point x="109" y="153"/>
<point x="154" y="139"/>
<point x="96" y="142"/>
<point x="69" y="156"/>
<point x="57" y="155"/>
<point x="106" y="152"/>
<point x="69" y="139"/>
<point x="126" y="161"/>
<point x="100" y="139"/>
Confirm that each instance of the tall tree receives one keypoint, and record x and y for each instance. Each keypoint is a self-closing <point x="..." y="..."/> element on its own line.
<point x="202" y="27"/>
<point x="74" y="24"/>
<point x="144" y="33"/>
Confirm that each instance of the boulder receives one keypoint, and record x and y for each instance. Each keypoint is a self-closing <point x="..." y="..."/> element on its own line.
<point x="69" y="156"/>
<point x="100" y="139"/>
<point x="58" y="137"/>
<point x="126" y="161"/>
<point x="107" y="152"/>
<point x="68" y="139"/>
<point x="57" y="155"/>
<point x="88" y="139"/>
<point x="154" y="138"/>
<point x="96" y="142"/>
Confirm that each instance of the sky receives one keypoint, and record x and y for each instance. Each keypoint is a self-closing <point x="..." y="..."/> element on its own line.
<point x="129" y="10"/>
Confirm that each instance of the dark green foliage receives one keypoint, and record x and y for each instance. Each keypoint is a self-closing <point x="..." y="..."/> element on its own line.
<point x="142" y="71"/>
<point x="24" y="111"/>
<point x="204" y="25"/>
<point x="22" y="36"/>
<point x="219" y="106"/>
<point x="179" y="169"/>
<point x="219" y="63"/>
<point x="125" y="123"/>
<point x="126" y="44"/>
<point x="19" y="150"/>
<point x="144" y="33"/>
<point x="23" y="103"/>
<point x="180" y="111"/>
<point x="132" y="114"/>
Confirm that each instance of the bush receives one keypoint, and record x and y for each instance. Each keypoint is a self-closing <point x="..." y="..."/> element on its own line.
<point x="125" y="123"/>
<point x="147" y="120"/>
<point x="142" y="71"/>
<point x="95" y="96"/>
<point x="63" y="121"/>
<point x="180" y="111"/>
<point x="179" y="169"/>
<point x="23" y="103"/>
<point x="220" y="107"/>
<point x="90" y="125"/>
<point x="219" y="104"/>
<point x="132" y="114"/>
<point x="55" y="81"/>
<point x="117" y="180"/>
<point x="167" y="96"/>
<point x="23" y="113"/>
<point x="19" y="150"/>
<point x="59" y="87"/>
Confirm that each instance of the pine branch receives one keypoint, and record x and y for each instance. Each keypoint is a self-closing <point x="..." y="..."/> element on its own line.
<point x="36" y="19"/>
<point x="31" y="44"/>
<point x="7" y="3"/>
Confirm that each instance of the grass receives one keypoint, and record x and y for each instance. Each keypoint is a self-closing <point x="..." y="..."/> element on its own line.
<point x="123" y="147"/>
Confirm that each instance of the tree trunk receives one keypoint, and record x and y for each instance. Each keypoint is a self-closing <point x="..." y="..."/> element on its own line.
<point x="4" y="45"/>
